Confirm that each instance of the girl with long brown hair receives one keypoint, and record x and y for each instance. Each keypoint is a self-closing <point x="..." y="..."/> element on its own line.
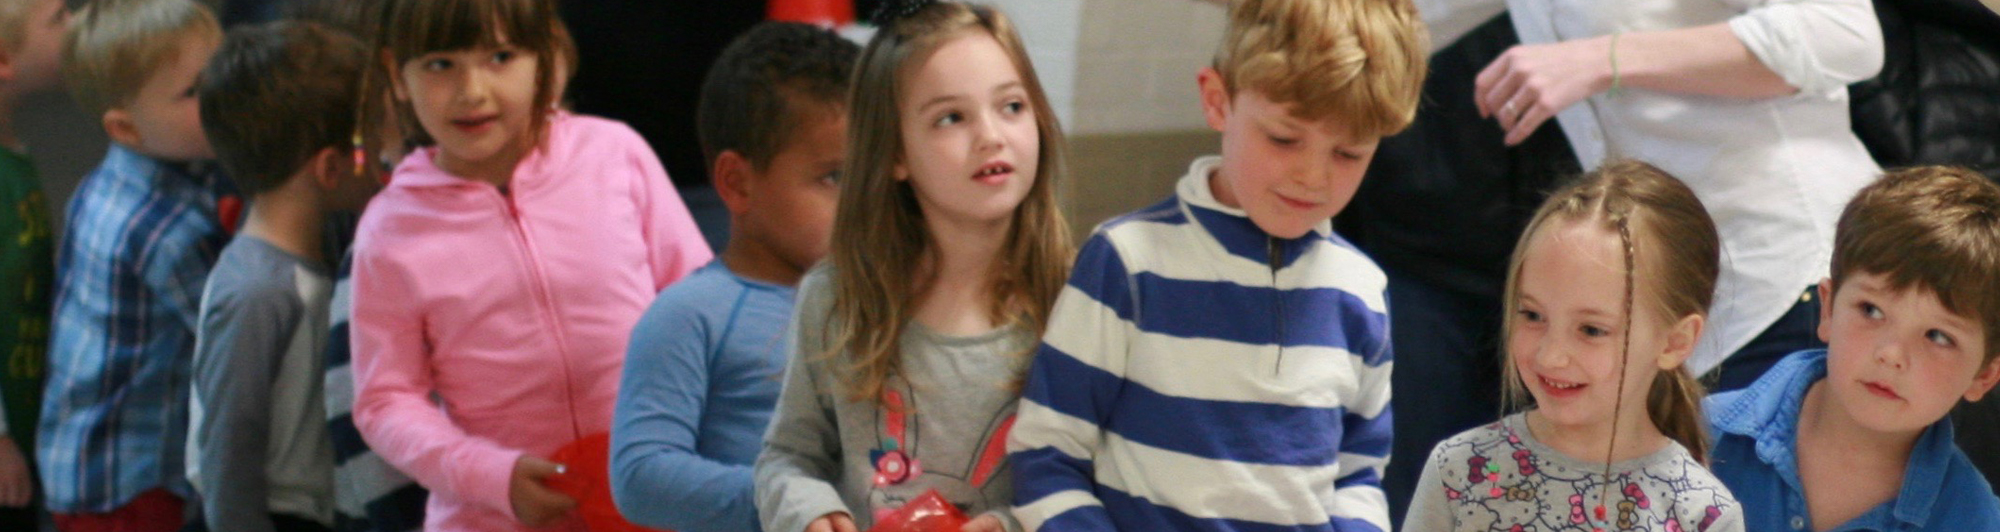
<point x="948" y="251"/>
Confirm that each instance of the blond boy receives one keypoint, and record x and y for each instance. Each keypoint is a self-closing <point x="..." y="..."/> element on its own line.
<point x="1220" y="361"/>
<point x="143" y="230"/>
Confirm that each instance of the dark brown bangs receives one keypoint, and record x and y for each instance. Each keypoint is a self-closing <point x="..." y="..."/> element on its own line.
<point x="417" y="28"/>
<point x="411" y="28"/>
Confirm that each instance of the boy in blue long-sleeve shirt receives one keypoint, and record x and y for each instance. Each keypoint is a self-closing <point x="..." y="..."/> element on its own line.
<point x="1220" y="361"/>
<point x="702" y="370"/>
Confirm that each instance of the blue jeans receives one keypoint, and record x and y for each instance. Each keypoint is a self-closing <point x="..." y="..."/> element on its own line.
<point x="1447" y="377"/>
<point x="1795" y="331"/>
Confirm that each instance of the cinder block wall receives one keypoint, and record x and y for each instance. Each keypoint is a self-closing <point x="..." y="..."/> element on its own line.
<point x="1138" y="115"/>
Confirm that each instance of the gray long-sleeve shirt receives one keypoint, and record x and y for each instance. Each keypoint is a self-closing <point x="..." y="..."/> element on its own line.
<point x="258" y="443"/>
<point x="959" y="395"/>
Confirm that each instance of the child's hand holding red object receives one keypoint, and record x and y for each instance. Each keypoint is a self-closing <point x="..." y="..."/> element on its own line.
<point x="586" y="477"/>
<point x="926" y="513"/>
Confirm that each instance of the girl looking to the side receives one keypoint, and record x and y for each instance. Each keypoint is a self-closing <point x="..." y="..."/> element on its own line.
<point x="497" y="278"/>
<point x="948" y="251"/>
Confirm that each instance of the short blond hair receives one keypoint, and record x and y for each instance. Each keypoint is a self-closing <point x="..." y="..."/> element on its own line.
<point x="114" y="46"/>
<point x="1360" y="61"/>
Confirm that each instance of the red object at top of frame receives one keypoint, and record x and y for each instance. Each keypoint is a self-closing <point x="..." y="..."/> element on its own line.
<point x="825" y="13"/>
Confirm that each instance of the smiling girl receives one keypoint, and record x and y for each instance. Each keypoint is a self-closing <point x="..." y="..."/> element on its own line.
<point x="1606" y="296"/>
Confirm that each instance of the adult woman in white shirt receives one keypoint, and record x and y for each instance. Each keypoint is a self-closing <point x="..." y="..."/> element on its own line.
<point x="1744" y="100"/>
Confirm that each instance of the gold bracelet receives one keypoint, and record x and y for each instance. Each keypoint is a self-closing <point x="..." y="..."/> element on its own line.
<point x="1617" y="82"/>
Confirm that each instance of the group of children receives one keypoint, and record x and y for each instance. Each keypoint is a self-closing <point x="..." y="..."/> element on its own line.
<point x="900" y="309"/>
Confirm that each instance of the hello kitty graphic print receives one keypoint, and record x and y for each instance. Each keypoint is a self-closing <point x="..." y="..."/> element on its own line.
<point x="1499" y="478"/>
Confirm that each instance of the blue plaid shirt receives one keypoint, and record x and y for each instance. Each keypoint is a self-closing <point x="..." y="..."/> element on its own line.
<point x="141" y="237"/>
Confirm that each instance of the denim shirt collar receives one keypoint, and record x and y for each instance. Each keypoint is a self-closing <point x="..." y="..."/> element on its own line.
<point x="1923" y="478"/>
<point x="1768" y="413"/>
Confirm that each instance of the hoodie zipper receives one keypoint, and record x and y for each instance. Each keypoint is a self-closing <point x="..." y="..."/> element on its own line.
<point x="1278" y="302"/>
<point x="540" y="282"/>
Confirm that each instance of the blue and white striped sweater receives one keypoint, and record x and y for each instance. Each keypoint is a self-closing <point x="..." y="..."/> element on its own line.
<point x="369" y="495"/>
<point x="1198" y="374"/>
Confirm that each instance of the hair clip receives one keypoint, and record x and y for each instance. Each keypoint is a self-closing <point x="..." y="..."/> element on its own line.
<point x="360" y="155"/>
<point x="893" y="10"/>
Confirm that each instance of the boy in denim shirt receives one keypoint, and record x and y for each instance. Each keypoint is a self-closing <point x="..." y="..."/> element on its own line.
<point x="1855" y="436"/>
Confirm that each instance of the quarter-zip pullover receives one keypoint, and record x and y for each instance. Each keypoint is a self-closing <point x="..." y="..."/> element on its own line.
<point x="1200" y="374"/>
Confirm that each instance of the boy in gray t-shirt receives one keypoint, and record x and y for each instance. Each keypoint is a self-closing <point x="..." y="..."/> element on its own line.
<point x="277" y="104"/>
<point x="257" y="388"/>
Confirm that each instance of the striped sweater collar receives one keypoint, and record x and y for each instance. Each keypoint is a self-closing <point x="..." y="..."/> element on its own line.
<point x="1232" y="226"/>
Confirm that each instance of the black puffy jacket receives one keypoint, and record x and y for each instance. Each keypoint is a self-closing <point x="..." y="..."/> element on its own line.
<point x="1444" y="201"/>
<point x="1937" y="100"/>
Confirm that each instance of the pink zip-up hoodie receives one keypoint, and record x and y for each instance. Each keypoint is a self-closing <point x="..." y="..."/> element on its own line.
<point x="512" y="309"/>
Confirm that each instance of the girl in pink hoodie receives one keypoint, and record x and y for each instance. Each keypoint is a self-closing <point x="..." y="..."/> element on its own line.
<point x="498" y="277"/>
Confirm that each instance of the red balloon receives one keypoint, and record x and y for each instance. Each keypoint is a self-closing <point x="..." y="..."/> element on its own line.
<point x="827" y="13"/>
<point x="229" y="211"/>
<point x="926" y="513"/>
<point x="586" y="477"/>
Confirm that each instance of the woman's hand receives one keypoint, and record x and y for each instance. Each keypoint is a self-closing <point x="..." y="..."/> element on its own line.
<point x="1530" y="83"/>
